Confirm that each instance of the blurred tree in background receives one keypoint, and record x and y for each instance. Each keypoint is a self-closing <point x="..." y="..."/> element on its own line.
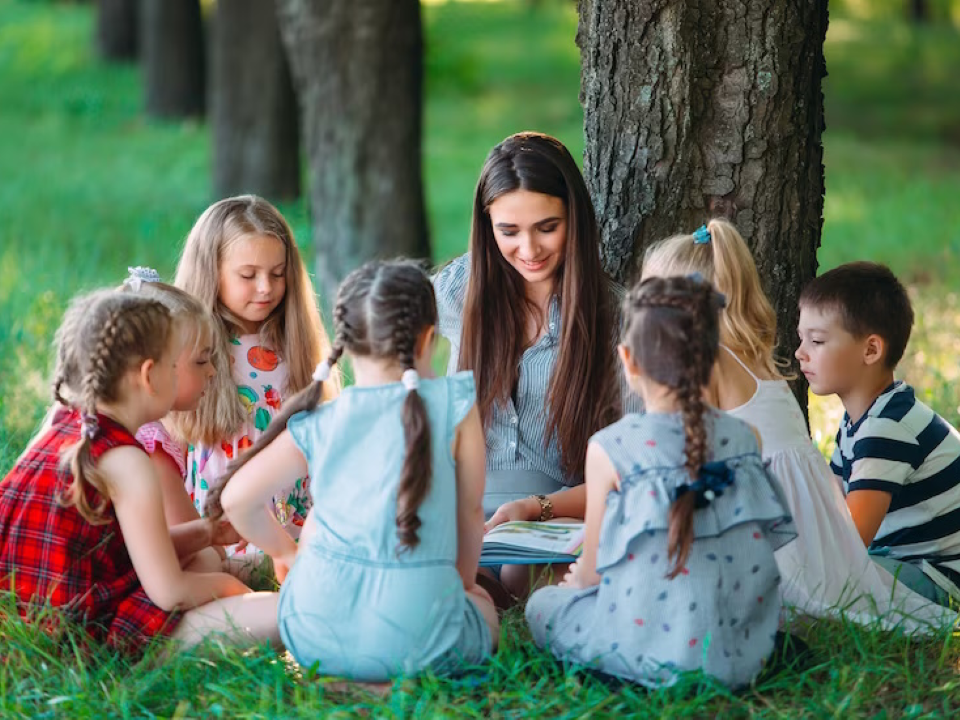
<point x="358" y="70"/>
<point x="253" y="109"/>
<point x="172" y="56"/>
<point x="117" y="29"/>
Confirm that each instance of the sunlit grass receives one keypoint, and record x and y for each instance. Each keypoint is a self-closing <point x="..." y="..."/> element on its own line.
<point x="89" y="187"/>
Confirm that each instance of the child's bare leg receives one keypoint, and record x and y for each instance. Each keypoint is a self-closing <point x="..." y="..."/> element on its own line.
<point x="207" y="560"/>
<point x="245" y="620"/>
<point x="481" y="598"/>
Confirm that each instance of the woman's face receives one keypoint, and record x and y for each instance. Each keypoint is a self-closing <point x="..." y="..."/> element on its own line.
<point x="530" y="229"/>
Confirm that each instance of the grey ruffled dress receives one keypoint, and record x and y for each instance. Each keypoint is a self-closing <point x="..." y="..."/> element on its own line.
<point x="720" y="614"/>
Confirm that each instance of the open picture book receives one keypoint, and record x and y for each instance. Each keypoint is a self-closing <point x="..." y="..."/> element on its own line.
<point x="530" y="543"/>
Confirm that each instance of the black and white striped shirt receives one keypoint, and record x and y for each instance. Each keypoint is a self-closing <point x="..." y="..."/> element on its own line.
<point x="902" y="447"/>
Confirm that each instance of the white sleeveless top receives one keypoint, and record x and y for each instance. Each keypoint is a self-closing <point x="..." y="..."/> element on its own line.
<point x="827" y="566"/>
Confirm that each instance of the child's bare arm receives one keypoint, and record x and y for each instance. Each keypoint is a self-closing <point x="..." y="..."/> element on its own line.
<point x="177" y="506"/>
<point x="471" y="461"/>
<point x="601" y="478"/>
<point x="868" y="508"/>
<point x="246" y="498"/>
<point x="137" y="500"/>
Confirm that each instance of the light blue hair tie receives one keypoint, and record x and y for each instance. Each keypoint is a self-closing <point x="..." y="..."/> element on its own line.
<point x="139" y="275"/>
<point x="701" y="236"/>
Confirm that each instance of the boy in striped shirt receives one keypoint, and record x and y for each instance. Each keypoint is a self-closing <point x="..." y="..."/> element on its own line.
<point x="898" y="460"/>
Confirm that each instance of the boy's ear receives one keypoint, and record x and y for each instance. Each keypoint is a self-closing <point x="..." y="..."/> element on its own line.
<point x="874" y="349"/>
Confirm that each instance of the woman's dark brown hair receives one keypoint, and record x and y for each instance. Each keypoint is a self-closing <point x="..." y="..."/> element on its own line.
<point x="382" y="309"/>
<point x="584" y="392"/>
<point x="672" y="328"/>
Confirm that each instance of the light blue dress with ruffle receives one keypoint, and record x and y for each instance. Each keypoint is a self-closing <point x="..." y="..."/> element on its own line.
<point x="720" y="614"/>
<point x="354" y="602"/>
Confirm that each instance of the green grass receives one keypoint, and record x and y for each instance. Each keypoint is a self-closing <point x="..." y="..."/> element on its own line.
<point x="89" y="187"/>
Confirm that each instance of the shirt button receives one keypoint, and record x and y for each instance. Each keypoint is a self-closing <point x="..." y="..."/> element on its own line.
<point x="553" y="326"/>
<point x="513" y="420"/>
<point x="512" y="445"/>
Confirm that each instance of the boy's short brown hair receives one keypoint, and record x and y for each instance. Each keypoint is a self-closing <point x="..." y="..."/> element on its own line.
<point x="869" y="300"/>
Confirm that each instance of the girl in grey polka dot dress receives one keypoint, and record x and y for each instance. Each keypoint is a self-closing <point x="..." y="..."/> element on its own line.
<point x="677" y="571"/>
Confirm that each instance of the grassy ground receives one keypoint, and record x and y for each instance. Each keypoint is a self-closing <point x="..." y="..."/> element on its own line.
<point x="89" y="187"/>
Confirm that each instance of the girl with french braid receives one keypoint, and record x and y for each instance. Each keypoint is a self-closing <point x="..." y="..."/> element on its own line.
<point x="82" y="526"/>
<point x="384" y="579"/>
<point x="677" y="571"/>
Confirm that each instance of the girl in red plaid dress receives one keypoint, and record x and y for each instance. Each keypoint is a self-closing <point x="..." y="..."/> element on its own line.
<point x="81" y="517"/>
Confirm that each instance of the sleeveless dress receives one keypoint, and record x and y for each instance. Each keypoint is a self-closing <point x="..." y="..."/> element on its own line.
<point x="721" y="613"/>
<point x="354" y="602"/>
<point x="827" y="571"/>
<point x="53" y="555"/>
<point x="260" y="375"/>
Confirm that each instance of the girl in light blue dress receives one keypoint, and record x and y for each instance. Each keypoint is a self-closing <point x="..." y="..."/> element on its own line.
<point x="383" y="583"/>
<point x="678" y="570"/>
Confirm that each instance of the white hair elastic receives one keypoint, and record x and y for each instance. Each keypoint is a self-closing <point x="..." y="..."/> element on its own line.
<point x="410" y="379"/>
<point x="322" y="373"/>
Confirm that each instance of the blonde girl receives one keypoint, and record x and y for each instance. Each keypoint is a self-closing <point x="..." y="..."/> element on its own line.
<point x="384" y="578"/>
<point x="241" y="262"/>
<point x="81" y="520"/>
<point x="827" y="571"/>
<point x="167" y="440"/>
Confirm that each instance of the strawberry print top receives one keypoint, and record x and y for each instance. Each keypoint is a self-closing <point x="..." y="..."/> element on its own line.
<point x="260" y="375"/>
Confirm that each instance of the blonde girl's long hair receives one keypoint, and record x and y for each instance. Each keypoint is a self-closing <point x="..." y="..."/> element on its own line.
<point x="110" y="333"/>
<point x="382" y="310"/>
<point x="293" y="330"/>
<point x="749" y="323"/>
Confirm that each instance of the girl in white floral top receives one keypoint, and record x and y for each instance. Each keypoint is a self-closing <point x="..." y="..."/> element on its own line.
<point x="241" y="261"/>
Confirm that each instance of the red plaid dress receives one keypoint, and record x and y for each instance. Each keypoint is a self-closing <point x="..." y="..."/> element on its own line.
<point x="50" y="553"/>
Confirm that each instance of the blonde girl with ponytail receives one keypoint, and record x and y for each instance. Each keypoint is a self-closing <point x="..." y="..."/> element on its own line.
<point x="677" y="571"/>
<point x="383" y="581"/>
<point x="81" y="517"/>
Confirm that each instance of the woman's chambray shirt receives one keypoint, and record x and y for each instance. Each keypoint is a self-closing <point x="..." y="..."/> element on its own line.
<point x="517" y="432"/>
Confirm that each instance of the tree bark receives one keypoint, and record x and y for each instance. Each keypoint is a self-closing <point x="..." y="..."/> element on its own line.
<point x="117" y="29"/>
<point x="918" y="11"/>
<point x="700" y="108"/>
<point x="171" y="41"/>
<point x="357" y="68"/>
<point x="252" y="104"/>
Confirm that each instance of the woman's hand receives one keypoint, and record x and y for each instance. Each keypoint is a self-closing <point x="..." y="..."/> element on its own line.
<point x="523" y="509"/>
<point x="578" y="577"/>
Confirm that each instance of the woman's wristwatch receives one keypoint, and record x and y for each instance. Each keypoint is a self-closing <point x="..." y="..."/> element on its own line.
<point x="546" y="507"/>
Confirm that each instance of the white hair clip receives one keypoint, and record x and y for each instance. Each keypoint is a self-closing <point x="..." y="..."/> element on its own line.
<point x="410" y="379"/>
<point x="139" y="275"/>
<point x="322" y="373"/>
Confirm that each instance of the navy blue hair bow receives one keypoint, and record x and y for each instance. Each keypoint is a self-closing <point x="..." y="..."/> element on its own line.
<point x="714" y="478"/>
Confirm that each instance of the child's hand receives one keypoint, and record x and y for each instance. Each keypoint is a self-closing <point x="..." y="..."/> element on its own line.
<point x="578" y="577"/>
<point x="523" y="509"/>
<point x="222" y="533"/>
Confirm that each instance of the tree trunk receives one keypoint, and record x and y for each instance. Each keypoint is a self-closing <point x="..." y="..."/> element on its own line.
<point x="918" y="11"/>
<point x="699" y="108"/>
<point x="252" y="105"/>
<point x="171" y="41"/>
<point x="357" y="67"/>
<point x="117" y="29"/>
